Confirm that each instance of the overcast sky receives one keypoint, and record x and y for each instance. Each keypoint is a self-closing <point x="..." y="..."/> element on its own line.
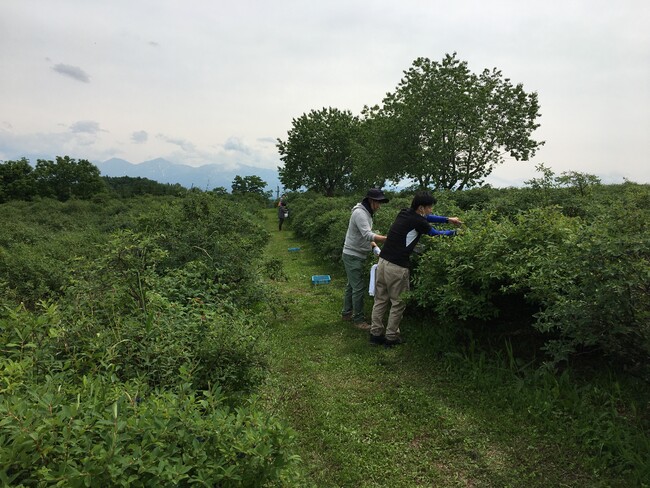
<point x="218" y="81"/>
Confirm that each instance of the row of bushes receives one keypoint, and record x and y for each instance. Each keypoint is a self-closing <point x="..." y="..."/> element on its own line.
<point x="586" y="284"/>
<point x="577" y="275"/>
<point x="138" y="364"/>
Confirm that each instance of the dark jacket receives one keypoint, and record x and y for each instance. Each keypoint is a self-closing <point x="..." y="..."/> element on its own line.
<point x="403" y="236"/>
<point x="405" y="233"/>
<point x="282" y="209"/>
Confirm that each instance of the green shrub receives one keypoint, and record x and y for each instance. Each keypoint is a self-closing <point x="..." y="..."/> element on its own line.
<point x="148" y="327"/>
<point x="588" y="283"/>
<point x="32" y="276"/>
<point x="140" y="372"/>
<point x="26" y="344"/>
<point x="41" y="241"/>
<point x="104" y="433"/>
<point x="274" y="269"/>
<point x="217" y="349"/>
<point x="221" y="234"/>
<point x="598" y="294"/>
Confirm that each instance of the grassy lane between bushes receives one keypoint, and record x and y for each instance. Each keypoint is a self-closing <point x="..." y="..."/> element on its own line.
<point x="403" y="417"/>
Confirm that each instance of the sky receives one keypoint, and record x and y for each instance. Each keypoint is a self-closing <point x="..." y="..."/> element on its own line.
<point x="219" y="81"/>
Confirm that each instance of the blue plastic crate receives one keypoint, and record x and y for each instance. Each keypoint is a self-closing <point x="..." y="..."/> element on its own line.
<point x="320" y="279"/>
<point x="293" y="249"/>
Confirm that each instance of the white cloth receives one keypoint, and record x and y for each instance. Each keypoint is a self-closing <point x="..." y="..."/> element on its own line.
<point x="373" y="280"/>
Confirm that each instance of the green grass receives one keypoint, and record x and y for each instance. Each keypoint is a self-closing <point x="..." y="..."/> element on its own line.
<point x="416" y="415"/>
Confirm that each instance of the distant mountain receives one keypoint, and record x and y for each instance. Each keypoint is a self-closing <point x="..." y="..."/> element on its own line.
<point x="205" y="177"/>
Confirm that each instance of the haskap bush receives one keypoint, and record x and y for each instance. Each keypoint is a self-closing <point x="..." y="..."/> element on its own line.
<point x="223" y="235"/>
<point x="120" y="311"/>
<point x="598" y="294"/>
<point x="101" y="432"/>
<point x="589" y="282"/>
<point x="141" y="372"/>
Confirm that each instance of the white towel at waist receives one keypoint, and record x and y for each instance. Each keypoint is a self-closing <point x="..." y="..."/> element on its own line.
<point x="373" y="279"/>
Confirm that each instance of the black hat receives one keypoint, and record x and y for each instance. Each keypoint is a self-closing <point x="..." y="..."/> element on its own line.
<point x="377" y="194"/>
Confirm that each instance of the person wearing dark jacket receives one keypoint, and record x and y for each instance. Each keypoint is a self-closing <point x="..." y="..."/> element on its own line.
<point x="283" y="213"/>
<point x="392" y="273"/>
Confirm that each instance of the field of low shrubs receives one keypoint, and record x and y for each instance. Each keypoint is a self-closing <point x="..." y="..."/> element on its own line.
<point x="131" y="345"/>
<point x="133" y="330"/>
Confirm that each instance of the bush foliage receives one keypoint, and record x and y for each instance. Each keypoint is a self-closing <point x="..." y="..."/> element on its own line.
<point x="573" y="263"/>
<point x="106" y="433"/>
<point x="136" y="349"/>
<point x="131" y="329"/>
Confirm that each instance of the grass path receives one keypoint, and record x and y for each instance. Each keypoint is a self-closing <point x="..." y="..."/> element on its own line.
<point x="401" y="417"/>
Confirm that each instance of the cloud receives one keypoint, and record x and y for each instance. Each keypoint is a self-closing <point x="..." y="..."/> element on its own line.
<point x="82" y="140"/>
<point x="85" y="127"/>
<point x="73" y="72"/>
<point x="38" y="145"/>
<point x="182" y="143"/>
<point x="236" y="144"/>
<point x="232" y="154"/>
<point x="140" y="137"/>
<point x="267" y="140"/>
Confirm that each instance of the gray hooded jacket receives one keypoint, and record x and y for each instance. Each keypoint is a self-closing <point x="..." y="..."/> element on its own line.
<point x="359" y="234"/>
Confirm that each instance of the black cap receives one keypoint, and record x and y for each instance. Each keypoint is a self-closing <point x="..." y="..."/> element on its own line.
<point x="377" y="194"/>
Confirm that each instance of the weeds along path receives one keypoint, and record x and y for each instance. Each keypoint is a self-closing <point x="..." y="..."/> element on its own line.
<point x="368" y="416"/>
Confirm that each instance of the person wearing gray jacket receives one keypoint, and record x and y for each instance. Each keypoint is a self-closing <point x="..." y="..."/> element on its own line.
<point x="359" y="241"/>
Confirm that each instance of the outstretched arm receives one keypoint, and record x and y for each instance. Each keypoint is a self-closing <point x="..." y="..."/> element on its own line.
<point x="436" y="232"/>
<point x="439" y="219"/>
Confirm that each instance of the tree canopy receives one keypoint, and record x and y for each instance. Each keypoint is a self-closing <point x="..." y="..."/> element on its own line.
<point x="62" y="179"/>
<point x="446" y="127"/>
<point x="66" y="178"/>
<point x="17" y="181"/>
<point x="128" y="186"/>
<point x="250" y="184"/>
<point x="317" y="154"/>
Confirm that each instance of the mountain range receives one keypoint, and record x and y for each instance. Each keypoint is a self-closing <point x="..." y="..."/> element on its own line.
<point x="206" y="177"/>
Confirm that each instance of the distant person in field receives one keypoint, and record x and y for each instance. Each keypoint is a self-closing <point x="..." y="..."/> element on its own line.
<point x="283" y="213"/>
<point x="393" y="268"/>
<point x="359" y="241"/>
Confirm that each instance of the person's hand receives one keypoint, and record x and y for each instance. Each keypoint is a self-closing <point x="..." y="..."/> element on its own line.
<point x="455" y="220"/>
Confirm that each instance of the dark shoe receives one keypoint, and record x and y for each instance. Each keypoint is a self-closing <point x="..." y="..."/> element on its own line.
<point x="362" y="325"/>
<point x="347" y="317"/>
<point x="376" y="340"/>
<point x="394" y="342"/>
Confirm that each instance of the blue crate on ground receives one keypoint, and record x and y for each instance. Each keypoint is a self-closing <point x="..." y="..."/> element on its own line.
<point x="320" y="279"/>
<point x="293" y="249"/>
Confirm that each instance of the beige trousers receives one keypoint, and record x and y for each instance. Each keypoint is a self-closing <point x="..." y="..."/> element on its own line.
<point x="392" y="281"/>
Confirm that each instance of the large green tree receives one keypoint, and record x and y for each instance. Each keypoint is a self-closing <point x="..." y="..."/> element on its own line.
<point x="17" y="180"/>
<point x="128" y="186"/>
<point x="66" y="178"/>
<point x="372" y="150"/>
<point x="447" y="128"/>
<point x="317" y="154"/>
<point x="250" y="184"/>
